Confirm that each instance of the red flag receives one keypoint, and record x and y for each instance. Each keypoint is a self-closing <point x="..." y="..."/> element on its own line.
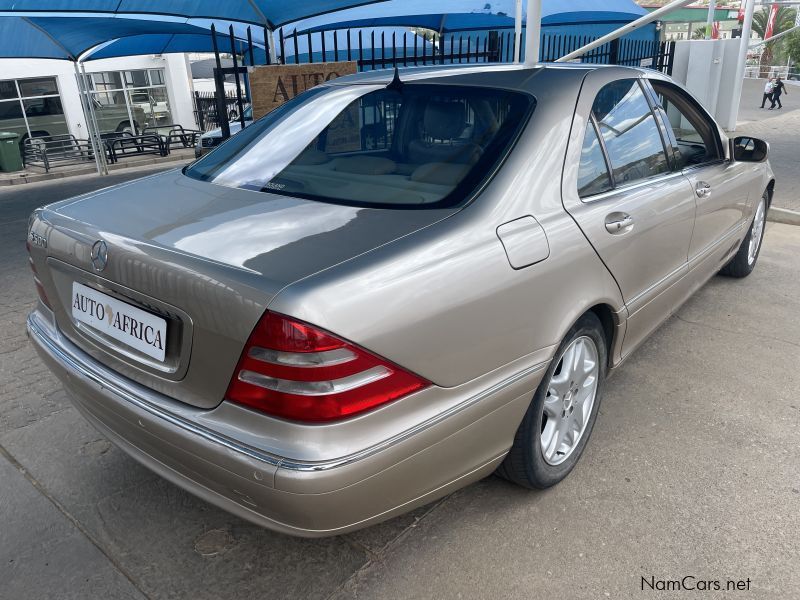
<point x="741" y="13"/>
<point x="715" y="30"/>
<point x="773" y="15"/>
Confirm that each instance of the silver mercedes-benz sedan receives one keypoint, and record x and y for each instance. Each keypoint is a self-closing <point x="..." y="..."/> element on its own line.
<point x="392" y="286"/>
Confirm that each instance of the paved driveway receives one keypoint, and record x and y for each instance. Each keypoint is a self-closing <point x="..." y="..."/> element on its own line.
<point x="693" y="469"/>
<point x="781" y="128"/>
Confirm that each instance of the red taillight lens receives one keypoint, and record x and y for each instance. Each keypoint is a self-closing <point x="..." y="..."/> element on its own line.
<point x="293" y="370"/>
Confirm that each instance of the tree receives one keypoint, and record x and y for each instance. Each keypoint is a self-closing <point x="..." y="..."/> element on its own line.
<point x="792" y="46"/>
<point x="701" y="33"/>
<point x="784" y="20"/>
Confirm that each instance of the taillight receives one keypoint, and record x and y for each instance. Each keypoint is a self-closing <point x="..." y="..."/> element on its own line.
<point x="296" y="371"/>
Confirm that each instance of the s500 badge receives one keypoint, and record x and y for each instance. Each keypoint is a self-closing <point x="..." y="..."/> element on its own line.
<point x="38" y="240"/>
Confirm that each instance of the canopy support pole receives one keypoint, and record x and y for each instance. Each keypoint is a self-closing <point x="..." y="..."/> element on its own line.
<point x="738" y="82"/>
<point x="85" y="100"/>
<point x="517" y="30"/>
<point x="626" y="29"/>
<point x="774" y="37"/>
<point x="219" y="89"/>
<point x="239" y="102"/>
<point x="96" y="128"/>
<point x="533" y="30"/>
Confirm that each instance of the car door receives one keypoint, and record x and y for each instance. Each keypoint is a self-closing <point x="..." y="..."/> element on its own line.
<point x="620" y="189"/>
<point x="722" y="188"/>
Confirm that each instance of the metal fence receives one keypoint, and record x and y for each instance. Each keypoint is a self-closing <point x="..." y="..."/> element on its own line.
<point x="381" y="51"/>
<point x="205" y="109"/>
<point x="372" y="51"/>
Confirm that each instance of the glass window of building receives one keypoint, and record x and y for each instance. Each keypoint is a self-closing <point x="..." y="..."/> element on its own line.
<point x="32" y="108"/>
<point x="131" y="100"/>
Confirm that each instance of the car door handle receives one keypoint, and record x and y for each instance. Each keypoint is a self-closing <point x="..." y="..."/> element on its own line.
<point x="619" y="223"/>
<point x="703" y="189"/>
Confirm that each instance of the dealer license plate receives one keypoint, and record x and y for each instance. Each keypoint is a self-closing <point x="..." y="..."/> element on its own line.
<point x="132" y="326"/>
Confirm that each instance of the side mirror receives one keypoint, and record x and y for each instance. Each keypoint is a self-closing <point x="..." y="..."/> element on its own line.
<point x="748" y="149"/>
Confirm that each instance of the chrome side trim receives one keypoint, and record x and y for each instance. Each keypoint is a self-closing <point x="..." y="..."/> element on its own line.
<point x="702" y="254"/>
<point x="118" y="387"/>
<point x="656" y="179"/>
<point x="655" y="290"/>
<point x="309" y="466"/>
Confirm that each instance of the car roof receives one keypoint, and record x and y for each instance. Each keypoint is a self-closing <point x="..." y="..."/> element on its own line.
<point x="492" y="75"/>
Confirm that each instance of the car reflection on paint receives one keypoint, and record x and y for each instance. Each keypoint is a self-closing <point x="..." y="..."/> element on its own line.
<point x="393" y="286"/>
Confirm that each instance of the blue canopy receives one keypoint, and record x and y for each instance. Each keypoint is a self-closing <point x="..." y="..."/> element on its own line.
<point x="441" y="22"/>
<point x="170" y="44"/>
<point x="554" y="13"/>
<point x="68" y="37"/>
<point x="264" y="12"/>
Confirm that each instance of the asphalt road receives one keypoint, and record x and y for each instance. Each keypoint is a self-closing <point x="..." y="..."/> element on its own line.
<point x="693" y="470"/>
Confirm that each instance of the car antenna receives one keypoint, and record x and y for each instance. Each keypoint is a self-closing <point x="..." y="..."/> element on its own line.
<point x="395" y="84"/>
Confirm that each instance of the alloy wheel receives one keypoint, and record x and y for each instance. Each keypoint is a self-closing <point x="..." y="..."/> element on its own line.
<point x="570" y="397"/>
<point x="757" y="232"/>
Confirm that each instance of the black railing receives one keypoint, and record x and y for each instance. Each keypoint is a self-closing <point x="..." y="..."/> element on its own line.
<point x="380" y="51"/>
<point x="205" y="109"/>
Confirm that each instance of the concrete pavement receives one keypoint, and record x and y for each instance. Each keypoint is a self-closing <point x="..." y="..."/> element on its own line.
<point x="693" y="469"/>
<point x="781" y="128"/>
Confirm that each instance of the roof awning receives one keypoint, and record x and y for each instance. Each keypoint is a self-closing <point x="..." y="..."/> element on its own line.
<point x="67" y="38"/>
<point x="460" y="16"/>
<point x="263" y="12"/>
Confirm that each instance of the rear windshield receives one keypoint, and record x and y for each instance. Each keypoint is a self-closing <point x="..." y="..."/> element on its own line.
<point x="411" y="146"/>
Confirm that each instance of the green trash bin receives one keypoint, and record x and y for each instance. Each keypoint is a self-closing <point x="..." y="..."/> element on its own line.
<point x="10" y="158"/>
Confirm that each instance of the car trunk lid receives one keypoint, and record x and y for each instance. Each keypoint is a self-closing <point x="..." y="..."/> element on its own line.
<point x="205" y="258"/>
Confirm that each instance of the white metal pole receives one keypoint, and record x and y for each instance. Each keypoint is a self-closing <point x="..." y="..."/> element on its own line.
<point x="272" y="53"/>
<point x="744" y="44"/>
<point x="774" y="37"/>
<point x="517" y="30"/>
<point x="95" y="127"/>
<point x="87" y="115"/>
<point x="533" y="30"/>
<point x="626" y="29"/>
<point x="712" y="8"/>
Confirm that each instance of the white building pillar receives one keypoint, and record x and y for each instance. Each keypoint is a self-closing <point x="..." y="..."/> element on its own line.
<point x="178" y="77"/>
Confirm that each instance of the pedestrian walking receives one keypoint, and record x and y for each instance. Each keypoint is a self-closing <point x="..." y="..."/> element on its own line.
<point x="778" y="89"/>
<point x="768" y="89"/>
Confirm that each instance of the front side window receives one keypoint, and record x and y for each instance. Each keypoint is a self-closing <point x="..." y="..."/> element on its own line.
<point x="692" y="135"/>
<point x="416" y="146"/>
<point x="630" y="132"/>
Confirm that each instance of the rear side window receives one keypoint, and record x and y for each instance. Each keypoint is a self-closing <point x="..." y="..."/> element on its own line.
<point x="593" y="176"/>
<point x="410" y="146"/>
<point x="629" y="132"/>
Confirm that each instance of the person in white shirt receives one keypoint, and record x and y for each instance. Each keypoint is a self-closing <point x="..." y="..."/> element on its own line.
<point x="768" y="89"/>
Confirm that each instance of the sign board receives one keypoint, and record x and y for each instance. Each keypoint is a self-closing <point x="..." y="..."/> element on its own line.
<point x="272" y="85"/>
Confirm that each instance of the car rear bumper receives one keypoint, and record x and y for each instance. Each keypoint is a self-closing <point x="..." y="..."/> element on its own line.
<point x="286" y="495"/>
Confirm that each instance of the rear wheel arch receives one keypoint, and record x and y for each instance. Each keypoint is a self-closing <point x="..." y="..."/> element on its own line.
<point x="608" y="319"/>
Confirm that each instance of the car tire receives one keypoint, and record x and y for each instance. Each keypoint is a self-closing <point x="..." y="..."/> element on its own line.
<point x="126" y="126"/>
<point x="744" y="261"/>
<point x="537" y="459"/>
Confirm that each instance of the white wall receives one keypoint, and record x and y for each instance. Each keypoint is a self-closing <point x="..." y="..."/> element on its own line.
<point x="708" y="69"/>
<point x="177" y="76"/>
